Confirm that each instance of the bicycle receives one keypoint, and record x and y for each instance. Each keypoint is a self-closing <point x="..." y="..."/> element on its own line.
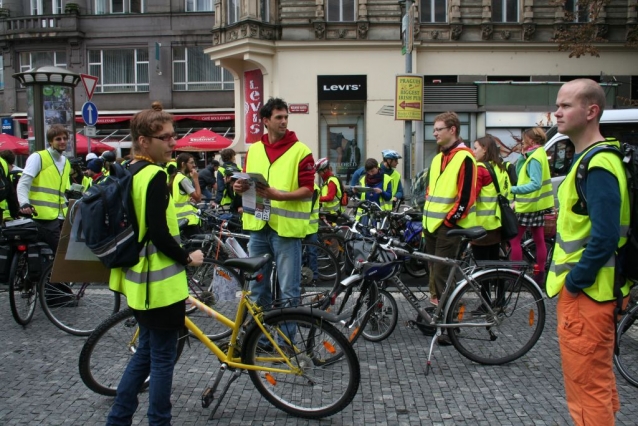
<point x="627" y="344"/>
<point x="288" y="352"/>
<point x="494" y="315"/>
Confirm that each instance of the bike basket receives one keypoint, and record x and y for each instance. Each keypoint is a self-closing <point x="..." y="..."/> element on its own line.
<point x="5" y="262"/>
<point x="23" y="230"/>
<point x="550" y="225"/>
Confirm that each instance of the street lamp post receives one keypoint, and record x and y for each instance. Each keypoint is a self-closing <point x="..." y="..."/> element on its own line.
<point x="407" y="129"/>
<point x="50" y="100"/>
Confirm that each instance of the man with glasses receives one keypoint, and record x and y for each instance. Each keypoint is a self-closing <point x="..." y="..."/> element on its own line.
<point x="186" y="189"/>
<point x="41" y="188"/>
<point x="449" y="200"/>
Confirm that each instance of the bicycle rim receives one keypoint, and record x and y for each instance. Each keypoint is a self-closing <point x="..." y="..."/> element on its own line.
<point x="337" y="246"/>
<point x="75" y="307"/>
<point x="383" y="318"/>
<point x="354" y="307"/>
<point x="327" y="268"/>
<point x="218" y="287"/>
<point x="520" y="318"/>
<point x="108" y="350"/>
<point x="625" y="361"/>
<point x="319" y="388"/>
<point x="22" y="291"/>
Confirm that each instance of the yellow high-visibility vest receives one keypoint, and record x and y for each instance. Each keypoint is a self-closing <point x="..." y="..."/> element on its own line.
<point x="488" y="211"/>
<point x="542" y="198"/>
<point x="48" y="187"/>
<point x="183" y="208"/>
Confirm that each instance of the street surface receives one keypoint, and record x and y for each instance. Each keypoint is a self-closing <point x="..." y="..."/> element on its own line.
<point x="40" y="384"/>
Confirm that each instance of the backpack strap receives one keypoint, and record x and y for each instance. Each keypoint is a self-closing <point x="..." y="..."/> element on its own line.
<point x="490" y="169"/>
<point x="583" y="166"/>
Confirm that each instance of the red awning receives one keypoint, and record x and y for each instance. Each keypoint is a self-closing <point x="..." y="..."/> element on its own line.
<point x="12" y="143"/>
<point x="203" y="140"/>
<point x="108" y="119"/>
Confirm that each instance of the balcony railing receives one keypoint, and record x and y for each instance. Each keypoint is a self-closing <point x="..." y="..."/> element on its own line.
<point x="41" y="24"/>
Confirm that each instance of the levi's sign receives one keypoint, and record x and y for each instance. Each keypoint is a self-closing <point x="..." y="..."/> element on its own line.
<point x="342" y="87"/>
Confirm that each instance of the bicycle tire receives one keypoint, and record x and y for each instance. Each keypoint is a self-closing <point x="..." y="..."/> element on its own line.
<point x="520" y="309"/>
<point x="383" y="318"/>
<point x="415" y="267"/>
<point x="627" y="335"/>
<point x="337" y="246"/>
<point x="328" y="270"/>
<point x="108" y="350"/>
<point x="22" y="291"/>
<point x="321" y="388"/>
<point x="354" y="306"/>
<point x="218" y="287"/>
<point x="76" y="308"/>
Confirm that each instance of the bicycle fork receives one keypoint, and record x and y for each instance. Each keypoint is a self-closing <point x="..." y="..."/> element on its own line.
<point x="209" y="393"/>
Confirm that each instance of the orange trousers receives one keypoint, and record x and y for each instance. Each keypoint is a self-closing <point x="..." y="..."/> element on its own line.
<point x="586" y="340"/>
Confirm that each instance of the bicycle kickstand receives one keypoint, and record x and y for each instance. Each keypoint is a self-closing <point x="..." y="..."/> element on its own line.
<point x="209" y="394"/>
<point x="434" y="339"/>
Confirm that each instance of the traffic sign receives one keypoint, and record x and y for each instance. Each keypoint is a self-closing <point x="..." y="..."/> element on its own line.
<point x="89" y="113"/>
<point x="89" y="83"/>
<point x="90" y="131"/>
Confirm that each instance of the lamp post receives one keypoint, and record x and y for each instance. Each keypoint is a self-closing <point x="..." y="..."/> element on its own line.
<point x="50" y="100"/>
<point x="407" y="27"/>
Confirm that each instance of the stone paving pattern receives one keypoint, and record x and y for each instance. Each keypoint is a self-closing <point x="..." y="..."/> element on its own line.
<point x="40" y="384"/>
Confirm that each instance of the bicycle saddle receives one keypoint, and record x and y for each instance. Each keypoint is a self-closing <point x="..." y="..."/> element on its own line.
<point x="248" y="264"/>
<point x="473" y="233"/>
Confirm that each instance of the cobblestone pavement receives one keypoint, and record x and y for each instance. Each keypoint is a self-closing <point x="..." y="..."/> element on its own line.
<point x="41" y="384"/>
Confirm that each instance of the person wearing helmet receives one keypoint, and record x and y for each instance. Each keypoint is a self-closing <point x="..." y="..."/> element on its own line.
<point x="108" y="157"/>
<point x="330" y="199"/>
<point x="388" y="167"/>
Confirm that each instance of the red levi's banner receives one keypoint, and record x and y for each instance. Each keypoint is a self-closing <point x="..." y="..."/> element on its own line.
<point x="253" y="96"/>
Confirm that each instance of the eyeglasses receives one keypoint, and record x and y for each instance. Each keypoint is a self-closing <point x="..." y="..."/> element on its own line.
<point x="438" y="129"/>
<point x="165" y="138"/>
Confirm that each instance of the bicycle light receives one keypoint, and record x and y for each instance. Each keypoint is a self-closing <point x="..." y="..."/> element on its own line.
<point x="537" y="268"/>
<point x="21" y="247"/>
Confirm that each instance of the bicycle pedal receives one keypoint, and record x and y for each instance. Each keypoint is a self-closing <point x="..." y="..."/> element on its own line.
<point x="208" y="397"/>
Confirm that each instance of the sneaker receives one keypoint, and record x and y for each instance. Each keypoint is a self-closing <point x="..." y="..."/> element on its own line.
<point x="434" y="301"/>
<point x="444" y="340"/>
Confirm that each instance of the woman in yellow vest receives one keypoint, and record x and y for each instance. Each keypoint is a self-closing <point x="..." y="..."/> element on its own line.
<point x="534" y="196"/>
<point x="155" y="288"/>
<point x="330" y="198"/>
<point x="185" y="190"/>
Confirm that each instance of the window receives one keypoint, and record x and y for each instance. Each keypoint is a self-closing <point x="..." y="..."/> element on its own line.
<point x="46" y="7"/>
<point x="264" y="10"/>
<point x="103" y="7"/>
<point x="576" y="14"/>
<point x="508" y="78"/>
<point x="233" y="11"/>
<point x="122" y="70"/>
<point x="30" y="60"/>
<point x="193" y="70"/>
<point x="433" y="11"/>
<point x="504" y="10"/>
<point x="199" y="5"/>
<point x="341" y="10"/>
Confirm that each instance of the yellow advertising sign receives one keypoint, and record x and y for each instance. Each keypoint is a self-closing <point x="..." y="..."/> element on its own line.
<point x="408" y="100"/>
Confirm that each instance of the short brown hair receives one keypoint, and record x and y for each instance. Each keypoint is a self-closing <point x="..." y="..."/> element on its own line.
<point x="451" y="120"/>
<point x="227" y="154"/>
<point x="370" y="164"/>
<point x="56" y="130"/>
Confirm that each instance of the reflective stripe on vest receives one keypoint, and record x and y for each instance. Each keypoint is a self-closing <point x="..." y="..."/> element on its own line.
<point x="47" y="188"/>
<point x="574" y="231"/>
<point x="313" y="224"/>
<point x="542" y="198"/>
<point x="183" y="208"/>
<point x="443" y="192"/>
<point x="166" y="279"/>
<point x="335" y="204"/>
<point x="488" y="211"/>
<point x="287" y="218"/>
<point x="385" y="205"/>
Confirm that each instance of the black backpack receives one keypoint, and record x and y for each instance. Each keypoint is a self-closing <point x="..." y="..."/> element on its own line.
<point x="627" y="255"/>
<point x="108" y="222"/>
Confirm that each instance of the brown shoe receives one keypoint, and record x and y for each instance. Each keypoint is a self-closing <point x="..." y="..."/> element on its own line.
<point x="444" y="340"/>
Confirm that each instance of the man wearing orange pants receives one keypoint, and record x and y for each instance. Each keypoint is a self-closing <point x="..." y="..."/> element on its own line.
<point x="591" y="228"/>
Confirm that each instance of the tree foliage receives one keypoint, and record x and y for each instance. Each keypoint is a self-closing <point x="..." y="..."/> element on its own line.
<point x="582" y="29"/>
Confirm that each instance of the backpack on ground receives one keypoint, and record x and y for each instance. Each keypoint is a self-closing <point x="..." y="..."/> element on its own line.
<point x="627" y="255"/>
<point x="108" y="220"/>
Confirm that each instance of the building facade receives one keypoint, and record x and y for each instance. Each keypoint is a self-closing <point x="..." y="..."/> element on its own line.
<point x="495" y="62"/>
<point x="140" y="50"/>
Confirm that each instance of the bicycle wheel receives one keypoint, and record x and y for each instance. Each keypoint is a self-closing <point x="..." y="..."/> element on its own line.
<point x="529" y="251"/>
<point x="354" y="306"/>
<point x="337" y="246"/>
<point x="625" y="361"/>
<point x="323" y="270"/>
<point x="108" y="350"/>
<point x="218" y="287"/>
<point x="22" y="291"/>
<point x="75" y="307"/>
<point x="518" y="324"/>
<point x="416" y="267"/>
<point x="383" y="318"/>
<point x="315" y="387"/>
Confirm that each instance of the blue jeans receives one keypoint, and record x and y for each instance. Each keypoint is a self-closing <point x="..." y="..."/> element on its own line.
<point x="155" y="355"/>
<point x="207" y="195"/>
<point x="287" y="255"/>
<point x="312" y="255"/>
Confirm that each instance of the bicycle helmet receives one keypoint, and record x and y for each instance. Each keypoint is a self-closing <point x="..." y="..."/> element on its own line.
<point x="390" y="154"/>
<point x="321" y="164"/>
<point x="90" y="156"/>
<point x="108" y="156"/>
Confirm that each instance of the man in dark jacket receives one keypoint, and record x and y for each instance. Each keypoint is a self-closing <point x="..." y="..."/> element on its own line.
<point x="207" y="180"/>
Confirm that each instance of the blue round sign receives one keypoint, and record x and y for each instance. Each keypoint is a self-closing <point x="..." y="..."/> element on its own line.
<point x="89" y="113"/>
